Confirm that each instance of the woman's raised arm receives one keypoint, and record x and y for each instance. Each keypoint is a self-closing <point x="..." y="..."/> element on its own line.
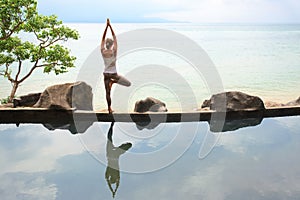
<point x="115" y="47"/>
<point x="104" y="35"/>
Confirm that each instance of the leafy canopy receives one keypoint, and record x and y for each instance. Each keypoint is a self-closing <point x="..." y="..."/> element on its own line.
<point x="20" y="20"/>
<point x="13" y="14"/>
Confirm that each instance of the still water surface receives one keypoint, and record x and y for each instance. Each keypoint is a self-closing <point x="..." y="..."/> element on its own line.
<point x="257" y="162"/>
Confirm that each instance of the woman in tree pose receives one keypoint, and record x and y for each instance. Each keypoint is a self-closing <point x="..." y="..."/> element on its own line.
<point x="109" y="49"/>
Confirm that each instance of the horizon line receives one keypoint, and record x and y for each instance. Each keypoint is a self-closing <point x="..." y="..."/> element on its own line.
<point x="186" y="22"/>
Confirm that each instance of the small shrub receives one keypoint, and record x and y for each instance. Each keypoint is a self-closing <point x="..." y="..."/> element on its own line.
<point x="4" y="100"/>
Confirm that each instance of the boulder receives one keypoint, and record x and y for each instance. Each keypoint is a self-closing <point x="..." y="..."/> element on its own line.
<point x="294" y="103"/>
<point x="205" y="104"/>
<point x="76" y="95"/>
<point x="27" y="100"/>
<point x="234" y="101"/>
<point x="150" y="104"/>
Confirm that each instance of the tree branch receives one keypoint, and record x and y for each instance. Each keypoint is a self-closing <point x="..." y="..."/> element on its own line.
<point x="37" y="37"/>
<point x="49" y="64"/>
<point x="11" y="31"/>
<point x="52" y="42"/>
<point x="19" y="69"/>
<point x="29" y="73"/>
<point x="6" y="73"/>
<point x="32" y="69"/>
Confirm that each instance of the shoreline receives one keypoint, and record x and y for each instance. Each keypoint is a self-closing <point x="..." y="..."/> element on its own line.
<point x="269" y="103"/>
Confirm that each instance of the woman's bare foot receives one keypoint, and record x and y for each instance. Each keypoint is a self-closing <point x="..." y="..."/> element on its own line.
<point x="110" y="110"/>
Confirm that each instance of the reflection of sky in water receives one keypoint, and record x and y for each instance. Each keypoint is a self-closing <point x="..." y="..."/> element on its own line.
<point x="259" y="162"/>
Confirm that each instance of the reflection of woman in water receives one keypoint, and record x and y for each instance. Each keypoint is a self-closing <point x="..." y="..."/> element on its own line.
<point x="109" y="49"/>
<point x="112" y="174"/>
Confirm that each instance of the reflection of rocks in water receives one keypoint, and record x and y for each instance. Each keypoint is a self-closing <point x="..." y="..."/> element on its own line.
<point x="148" y="125"/>
<point x="153" y="105"/>
<point x="232" y="125"/>
<point x="150" y="121"/>
<point x="79" y="127"/>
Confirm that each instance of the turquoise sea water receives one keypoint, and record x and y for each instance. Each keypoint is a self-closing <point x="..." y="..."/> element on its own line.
<point x="262" y="60"/>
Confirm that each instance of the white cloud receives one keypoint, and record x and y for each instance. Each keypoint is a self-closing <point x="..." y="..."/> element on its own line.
<point x="24" y="186"/>
<point x="7" y="127"/>
<point x="37" y="150"/>
<point x="232" y="11"/>
<point x="175" y="10"/>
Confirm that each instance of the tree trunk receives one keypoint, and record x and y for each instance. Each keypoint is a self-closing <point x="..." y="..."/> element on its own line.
<point x="13" y="92"/>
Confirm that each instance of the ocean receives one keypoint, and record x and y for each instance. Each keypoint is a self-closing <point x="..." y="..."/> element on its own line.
<point x="261" y="60"/>
<point x="185" y="160"/>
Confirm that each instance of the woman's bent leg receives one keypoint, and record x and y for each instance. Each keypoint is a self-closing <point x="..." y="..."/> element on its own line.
<point x="122" y="80"/>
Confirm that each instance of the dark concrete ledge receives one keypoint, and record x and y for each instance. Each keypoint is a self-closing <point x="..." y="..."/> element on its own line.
<point x="30" y="115"/>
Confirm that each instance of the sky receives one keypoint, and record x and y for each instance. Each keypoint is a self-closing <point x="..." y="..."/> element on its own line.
<point x="194" y="11"/>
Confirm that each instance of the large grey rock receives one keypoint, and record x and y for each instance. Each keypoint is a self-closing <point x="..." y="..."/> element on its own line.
<point x="26" y="100"/>
<point x="233" y="101"/>
<point x="150" y="104"/>
<point x="76" y="95"/>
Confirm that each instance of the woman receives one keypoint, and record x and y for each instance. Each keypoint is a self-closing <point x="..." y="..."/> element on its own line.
<point x="109" y="49"/>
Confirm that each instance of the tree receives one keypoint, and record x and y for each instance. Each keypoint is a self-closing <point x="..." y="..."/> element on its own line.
<point x="13" y="14"/>
<point x="43" y="49"/>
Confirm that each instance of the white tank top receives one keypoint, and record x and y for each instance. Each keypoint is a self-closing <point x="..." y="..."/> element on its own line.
<point x="107" y="64"/>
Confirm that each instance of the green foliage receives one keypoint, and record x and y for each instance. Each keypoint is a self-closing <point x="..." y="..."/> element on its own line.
<point x="5" y="100"/>
<point x="13" y="14"/>
<point x="45" y="52"/>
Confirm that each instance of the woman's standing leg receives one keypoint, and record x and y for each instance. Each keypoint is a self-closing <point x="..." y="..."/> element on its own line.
<point x="108" y="84"/>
